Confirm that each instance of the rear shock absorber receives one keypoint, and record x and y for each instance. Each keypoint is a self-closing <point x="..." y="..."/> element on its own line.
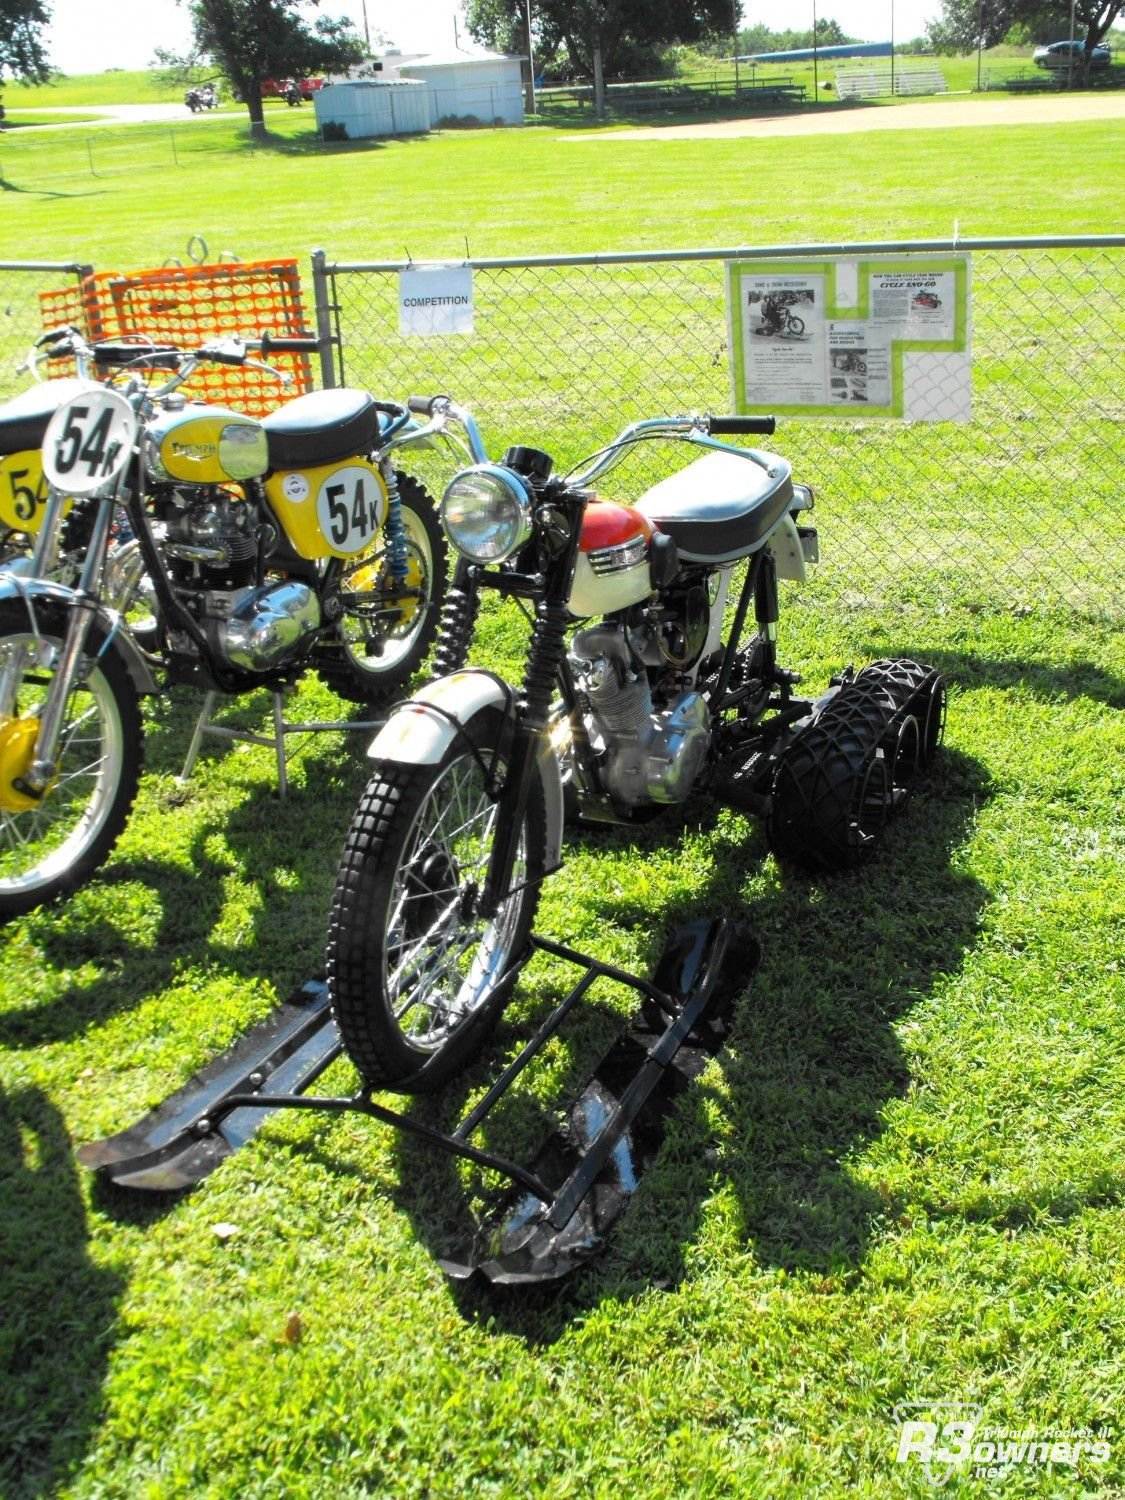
<point x="394" y="530"/>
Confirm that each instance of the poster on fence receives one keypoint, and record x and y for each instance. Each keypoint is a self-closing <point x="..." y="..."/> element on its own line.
<point x="434" y="300"/>
<point x="882" y="336"/>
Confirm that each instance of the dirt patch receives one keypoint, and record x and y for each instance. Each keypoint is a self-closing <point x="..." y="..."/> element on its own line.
<point x="936" y="114"/>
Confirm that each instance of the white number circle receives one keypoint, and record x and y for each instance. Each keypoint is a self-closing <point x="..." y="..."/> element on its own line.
<point x="89" y="441"/>
<point x="350" y="506"/>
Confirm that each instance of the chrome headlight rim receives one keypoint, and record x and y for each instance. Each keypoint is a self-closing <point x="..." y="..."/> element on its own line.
<point x="486" y="513"/>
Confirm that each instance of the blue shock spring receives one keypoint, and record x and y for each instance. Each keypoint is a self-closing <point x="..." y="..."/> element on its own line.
<point x="395" y="531"/>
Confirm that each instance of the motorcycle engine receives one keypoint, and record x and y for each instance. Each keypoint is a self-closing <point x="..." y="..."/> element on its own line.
<point x="210" y="543"/>
<point x="651" y="754"/>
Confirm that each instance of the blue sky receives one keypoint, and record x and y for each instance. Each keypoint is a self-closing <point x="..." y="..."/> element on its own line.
<point x="88" y="36"/>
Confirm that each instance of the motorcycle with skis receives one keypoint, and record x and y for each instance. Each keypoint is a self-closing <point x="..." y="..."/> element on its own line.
<point x="259" y="550"/>
<point x="651" y="672"/>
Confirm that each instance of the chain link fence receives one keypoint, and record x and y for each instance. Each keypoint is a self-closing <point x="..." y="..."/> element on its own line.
<point x="1019" y="508"/>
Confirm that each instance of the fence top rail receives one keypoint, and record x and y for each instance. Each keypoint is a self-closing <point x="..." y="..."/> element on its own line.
<point x="46" y="265"/>
<point x="743" y="252"/>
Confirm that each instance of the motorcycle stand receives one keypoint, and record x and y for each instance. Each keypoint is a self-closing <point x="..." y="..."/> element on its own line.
<point x="560" y="1209"/>
<point x="205" y="724"/>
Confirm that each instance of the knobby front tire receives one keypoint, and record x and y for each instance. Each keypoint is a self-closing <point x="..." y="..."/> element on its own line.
<point x="417" y="976"/>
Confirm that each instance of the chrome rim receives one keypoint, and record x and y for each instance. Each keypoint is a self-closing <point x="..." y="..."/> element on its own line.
<point x="443" y="960"/>
<point x="41" y="844"/>
<point x="398" y="642"/>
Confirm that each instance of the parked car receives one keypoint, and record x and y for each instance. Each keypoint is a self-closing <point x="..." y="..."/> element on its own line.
<point x="1058" y="55"/>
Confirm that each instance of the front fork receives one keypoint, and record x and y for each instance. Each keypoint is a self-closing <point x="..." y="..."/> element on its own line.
<point x="83" y="607"/>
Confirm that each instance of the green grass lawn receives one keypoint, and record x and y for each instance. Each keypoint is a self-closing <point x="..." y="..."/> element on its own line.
<point x="899" y="1181"/>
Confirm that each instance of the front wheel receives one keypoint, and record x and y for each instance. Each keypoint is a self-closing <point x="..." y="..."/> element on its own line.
<point x="417" y="974"/>
<point x="51" y="846"/>
<point x="386" y="628"/>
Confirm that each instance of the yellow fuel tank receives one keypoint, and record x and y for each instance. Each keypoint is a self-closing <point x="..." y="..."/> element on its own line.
<point x="206" y="445"/>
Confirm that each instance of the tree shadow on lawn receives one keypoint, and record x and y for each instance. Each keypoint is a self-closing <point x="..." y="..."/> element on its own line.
<point x="57" y="1309"/>
<point x="810" y="1063"/>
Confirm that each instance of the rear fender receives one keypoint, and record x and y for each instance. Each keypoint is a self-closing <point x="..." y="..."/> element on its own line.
<point x="420" y="732"/>
<point x="120" y="639"/>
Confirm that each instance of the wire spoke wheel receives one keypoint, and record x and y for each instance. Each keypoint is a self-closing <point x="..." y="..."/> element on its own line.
<point x="418" y="973"/>
<point x="386" y="629"/>
<point x="50" y="845"/>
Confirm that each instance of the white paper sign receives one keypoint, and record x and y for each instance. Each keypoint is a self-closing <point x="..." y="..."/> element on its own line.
<point x="435" y="300"/>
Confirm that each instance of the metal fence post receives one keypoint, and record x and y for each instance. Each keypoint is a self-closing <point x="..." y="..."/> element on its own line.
<point x="324" y="321"/>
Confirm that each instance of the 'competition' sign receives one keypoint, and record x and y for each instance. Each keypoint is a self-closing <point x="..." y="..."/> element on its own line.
<point x="435" y="300"/>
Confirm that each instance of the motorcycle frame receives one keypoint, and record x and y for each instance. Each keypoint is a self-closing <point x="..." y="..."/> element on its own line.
<point x="547" y="669"/>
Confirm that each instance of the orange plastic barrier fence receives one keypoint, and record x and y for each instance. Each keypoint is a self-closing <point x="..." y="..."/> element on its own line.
<point x="186" y="306"/>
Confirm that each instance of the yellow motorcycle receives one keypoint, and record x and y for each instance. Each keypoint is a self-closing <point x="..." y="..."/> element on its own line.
<point x="262" y="549"/>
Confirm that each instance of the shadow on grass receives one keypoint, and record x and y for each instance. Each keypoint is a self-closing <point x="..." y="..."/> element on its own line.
<point x="57" y="1310"/>
<point x="810" y="1063"/>
<point x="283" y="851"/>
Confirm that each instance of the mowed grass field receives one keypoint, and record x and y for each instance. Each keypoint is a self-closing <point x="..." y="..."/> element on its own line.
<point x="899" y="1182"/>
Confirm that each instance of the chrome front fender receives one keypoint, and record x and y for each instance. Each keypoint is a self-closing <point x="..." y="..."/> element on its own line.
<point x="15" y="585"/>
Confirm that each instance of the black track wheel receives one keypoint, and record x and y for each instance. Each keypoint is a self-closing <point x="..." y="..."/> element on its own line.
<point x="917" y="690"/>
<point x="55" y="845"/>
<point x="368" y="659"/>
<point x="832" y="790"/>
<point x="417" y="976"/>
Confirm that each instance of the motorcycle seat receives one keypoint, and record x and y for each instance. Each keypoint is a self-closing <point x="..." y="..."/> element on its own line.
<point x="322" y="428"/>
<point x="24" y="419"/>
<point x="721" y="507"/>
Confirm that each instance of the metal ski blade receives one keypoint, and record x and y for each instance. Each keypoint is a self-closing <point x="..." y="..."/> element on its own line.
<point x="611" y="1134"/>
<point x="187" y="1136"/>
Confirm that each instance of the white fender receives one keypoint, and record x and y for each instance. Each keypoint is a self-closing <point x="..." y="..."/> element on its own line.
<point x="421" y="730"/>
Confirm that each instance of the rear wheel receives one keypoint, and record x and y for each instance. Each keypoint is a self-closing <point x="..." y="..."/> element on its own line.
<point x="418" y="976"/>
<point x="833" y="788"/>
<point x="51" y="846"/>
<point x="386" y="630"/>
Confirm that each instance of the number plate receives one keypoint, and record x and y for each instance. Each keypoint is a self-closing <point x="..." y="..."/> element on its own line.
<point x="89" y="441"/>
<point x="350" y="508"/>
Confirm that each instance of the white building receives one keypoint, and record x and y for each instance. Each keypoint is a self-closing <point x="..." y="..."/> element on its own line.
<point x="484" y="86"/>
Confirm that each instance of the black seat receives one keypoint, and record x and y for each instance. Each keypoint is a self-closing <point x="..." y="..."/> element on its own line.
<point x="24" y="419"/>
<point x="720" y="507"/>
<point x="322" y="428"/>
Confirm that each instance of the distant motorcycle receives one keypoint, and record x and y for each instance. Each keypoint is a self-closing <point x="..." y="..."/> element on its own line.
<point x="201" y="98"/>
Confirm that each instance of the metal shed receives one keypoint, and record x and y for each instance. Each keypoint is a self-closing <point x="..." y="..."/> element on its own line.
<point x="366" y="107"/>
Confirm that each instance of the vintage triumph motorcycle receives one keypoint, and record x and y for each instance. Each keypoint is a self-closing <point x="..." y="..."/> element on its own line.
<point x="260" y="549"/>
<point x="651" y="671"/>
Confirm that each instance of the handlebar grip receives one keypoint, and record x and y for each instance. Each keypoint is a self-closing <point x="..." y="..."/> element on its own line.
<point x="270" y="342"/>
<point x="423" y="406"/>
<point x="764" y="426"/>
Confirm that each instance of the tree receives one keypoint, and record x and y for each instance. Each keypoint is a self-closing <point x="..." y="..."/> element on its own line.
<point x="596" y="33"/>
<point x="251" y="40"/>
<point x="968" y="24"/>
<point x="22" y="51"/>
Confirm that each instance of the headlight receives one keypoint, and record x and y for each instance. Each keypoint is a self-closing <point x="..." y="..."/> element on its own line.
<point x="486" y="513"/>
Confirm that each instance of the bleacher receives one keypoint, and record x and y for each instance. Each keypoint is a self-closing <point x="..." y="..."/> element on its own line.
<point x="876" y="82"/>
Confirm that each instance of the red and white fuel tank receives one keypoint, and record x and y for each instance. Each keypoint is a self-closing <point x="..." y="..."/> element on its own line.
<point x="613" y="562"/>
